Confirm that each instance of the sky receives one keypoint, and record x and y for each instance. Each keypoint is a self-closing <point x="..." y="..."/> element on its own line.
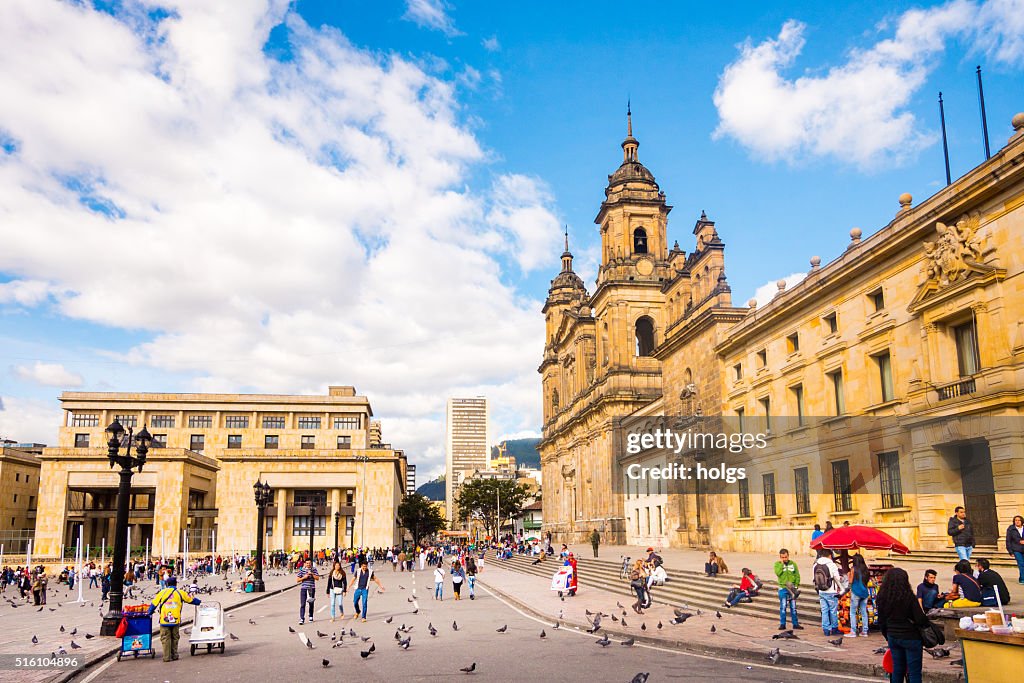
<point x="273" y="196"/>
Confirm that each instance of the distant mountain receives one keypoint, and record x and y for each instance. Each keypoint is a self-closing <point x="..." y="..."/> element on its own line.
<point x="523" y="450"/>
<point x="434" y="490"/>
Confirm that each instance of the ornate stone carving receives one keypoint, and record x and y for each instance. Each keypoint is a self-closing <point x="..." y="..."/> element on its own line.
<point x="947" y="259"/>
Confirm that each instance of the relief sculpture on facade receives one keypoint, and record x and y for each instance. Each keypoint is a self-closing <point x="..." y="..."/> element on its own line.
<point x="948" y="258"/>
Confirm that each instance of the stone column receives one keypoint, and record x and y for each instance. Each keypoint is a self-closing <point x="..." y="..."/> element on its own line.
<point x="1007" y="451"/>
<point x="54" y="500"/>
<point x="282" y="518"/>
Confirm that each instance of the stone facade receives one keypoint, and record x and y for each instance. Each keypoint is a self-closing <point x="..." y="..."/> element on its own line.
<point x="19" y="491"/>
<point x="209" y="450"/>
<point x="890" y="381"/>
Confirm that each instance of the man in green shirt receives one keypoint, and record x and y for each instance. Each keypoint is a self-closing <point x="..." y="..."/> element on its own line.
<point x="789" y="587"/>
<point x="595" y="540"/>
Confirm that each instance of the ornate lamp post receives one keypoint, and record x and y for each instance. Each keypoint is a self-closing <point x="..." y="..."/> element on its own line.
<point x="337" y="521"/>
<point x="128" y="462"/>
<point x="264" y="495"/>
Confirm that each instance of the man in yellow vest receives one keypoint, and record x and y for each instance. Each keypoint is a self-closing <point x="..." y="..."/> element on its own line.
<point x="169" y="601"/>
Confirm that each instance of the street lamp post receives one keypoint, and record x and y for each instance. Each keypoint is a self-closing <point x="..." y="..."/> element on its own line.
<point x="337" y="521"/>
<point x="312" y="519"/>
<point x="128" y="462"/>
<point x="264" y="494"/>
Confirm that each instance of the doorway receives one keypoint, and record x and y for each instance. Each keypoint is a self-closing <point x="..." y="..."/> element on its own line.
<point x="979" y="490"/>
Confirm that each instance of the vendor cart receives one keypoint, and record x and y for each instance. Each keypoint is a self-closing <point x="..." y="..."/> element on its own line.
<point x="137" y="639"/>
<point x="208" y="628"/>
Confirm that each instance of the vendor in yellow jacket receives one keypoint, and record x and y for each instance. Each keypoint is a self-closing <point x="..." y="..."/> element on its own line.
<point x="169" y="601"/>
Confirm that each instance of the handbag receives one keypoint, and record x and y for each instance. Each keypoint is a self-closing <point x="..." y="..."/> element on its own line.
<point x="122" y="628"/>
<point x="932" y="635"/>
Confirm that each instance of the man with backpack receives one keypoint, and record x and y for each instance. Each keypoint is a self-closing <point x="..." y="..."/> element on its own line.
<point x="827" y="584"/>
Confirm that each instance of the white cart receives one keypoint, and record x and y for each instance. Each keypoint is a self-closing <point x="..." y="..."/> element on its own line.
<point x="207" y="628"/>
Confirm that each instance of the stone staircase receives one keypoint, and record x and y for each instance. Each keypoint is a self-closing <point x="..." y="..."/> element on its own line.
<point x="683" y="587"/>
<point x="943" y="560"/>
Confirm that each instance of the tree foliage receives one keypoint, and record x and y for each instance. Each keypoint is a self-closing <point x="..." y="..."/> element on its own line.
<point x="420" y="516"/>
<point x="481" y="498"/>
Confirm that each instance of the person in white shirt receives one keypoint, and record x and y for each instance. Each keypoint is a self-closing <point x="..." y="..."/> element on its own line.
<point x="438" y="583"/>
<point x="827" y="583"/>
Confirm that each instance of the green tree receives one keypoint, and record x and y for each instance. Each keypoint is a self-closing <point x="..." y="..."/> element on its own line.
<point x="420" y="516"/>
<point x="484" y="498"/>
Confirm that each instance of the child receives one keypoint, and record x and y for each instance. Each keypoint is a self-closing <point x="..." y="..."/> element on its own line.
<point x="438" y="583"/>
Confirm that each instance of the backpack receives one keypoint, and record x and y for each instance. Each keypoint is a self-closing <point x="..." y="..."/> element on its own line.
<point x="657" y="561"/>
<point x="822" y="577"/>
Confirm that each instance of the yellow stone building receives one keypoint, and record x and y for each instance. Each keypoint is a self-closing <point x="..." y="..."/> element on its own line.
<point x="19" y="490"/>
<point x="889" y="383"/>
<point x="208" y="451"/>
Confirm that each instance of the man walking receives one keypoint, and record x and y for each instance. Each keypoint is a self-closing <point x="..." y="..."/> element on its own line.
<point x="307" y="576"/>
<point x="595" y="541"/>
<point x="169" y="601"/>
<point x="788" y="576"/>
<point x="362" y="580"/>
<point x="826" y="582"/>
<point x="960" y="529"/>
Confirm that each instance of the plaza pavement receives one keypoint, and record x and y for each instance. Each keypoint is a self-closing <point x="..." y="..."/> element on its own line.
<point x="19" y="625"/>
<point x="741" y="638"/>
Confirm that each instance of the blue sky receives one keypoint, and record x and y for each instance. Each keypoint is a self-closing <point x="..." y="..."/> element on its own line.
<point x="275" y="196"/>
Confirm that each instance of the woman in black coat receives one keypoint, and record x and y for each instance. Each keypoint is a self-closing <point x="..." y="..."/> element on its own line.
<point x="1015" y="543"/>
<point x="900" y="618"/>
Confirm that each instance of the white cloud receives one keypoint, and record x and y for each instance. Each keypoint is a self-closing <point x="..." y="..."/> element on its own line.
<point x="29" y="420"/>
<point x="431" y="14"/>
<point x="491" y="44"/>
<point x="768" y="290"/>
<point x="24" y="292"/>
<point x="856" y="111"/>
<point x="48" y="375"/>
<point x="278" y="226"/>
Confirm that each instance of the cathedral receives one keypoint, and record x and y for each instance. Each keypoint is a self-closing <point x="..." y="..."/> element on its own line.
<point x="887" y="384"/>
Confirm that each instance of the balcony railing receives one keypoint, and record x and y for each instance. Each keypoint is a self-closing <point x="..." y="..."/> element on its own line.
<point x="956" y="389"/>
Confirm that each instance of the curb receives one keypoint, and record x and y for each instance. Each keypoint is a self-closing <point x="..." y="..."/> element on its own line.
<point x="736" y="653"/>
<point x="98" y="657"/>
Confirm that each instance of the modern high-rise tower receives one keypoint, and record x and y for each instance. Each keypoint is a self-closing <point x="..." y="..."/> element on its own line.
<point x="466" y="444"/>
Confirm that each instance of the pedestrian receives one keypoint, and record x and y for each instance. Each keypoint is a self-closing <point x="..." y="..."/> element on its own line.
<point x="471" y="576"/>
<point x="595" y="541"/>
<point x="574" y="579"/>
<point x="638" y="583"/>
<point x="1015" y="544"/>
<point x="169" y="601"/>
<point x="307" y="576"/>
<point x="337" y="587"/>
<point x="992" y="585"/>
<point x="817" y="532"/>
<point x="826" y="583"/>
<point x="711" y="566"/>
<point x="438" y="583"/>
<point x="962" y="531"/>
<point x="788" y="576"/>
<point x="860" y="578"/>
<point x="966" y="592"/>
<point x="458" y="576"/>
<point x="928" y="595"/>
<point x="362" y="580"/>
<point x="900" y="619"/>
<point x="746" y="590"/>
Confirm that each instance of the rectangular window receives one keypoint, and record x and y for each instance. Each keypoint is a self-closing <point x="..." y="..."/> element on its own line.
<point x="737" y="371"/>
<point x="15" y="497"/>
<point x="884" y="361"/>
<point x="162" y="421"/>
<point x="308" y="441"/>
<point x="762" y="358"/>
<point x="892" y="484"/>
<point x="877" y="300"/>
<point x="966" y="336"/>
<point x="647" y="518"/>
<point x="831" y="322"/>
<point x="803" y="491"/>
<point x="636" y="518"/>
<point x="200" y="421"/>
<point x="270" y="441"/>
<point x="838" y="400"/>
<point x="744" y="498"/>
<point x="793" y="343"/>
<point x="310" y="497"/>
<point x="159" y="441"/>
<point x="841" y="485"/>
<point x="308" y="422"/>
<point x="273" y="422"/>
<point x="344" y="442"/>
<point x="769" y="494"/>
<point x="346" y="422"/>
<point x="798" y="402"/>
<point x="31" y="502"/>
<point x="197" y="442"/>
<point x="81" y="440"/>
<point x="128" y="420"/>
<point x="17" y="475"/>
<point x="300" y="526"/>
<point x="739" y="420"/>
<point x="270" y="525"/>
<point x="85" y="420"/>
<point x="349" y="497"/>
<point x="766" y="408"/>
<point x="661" y="528"/>
<point x="236" y="421"/>
<point x="234" y="440"/>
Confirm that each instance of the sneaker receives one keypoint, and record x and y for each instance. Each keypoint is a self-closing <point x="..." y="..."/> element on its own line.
<point x="798" y="627"/>
<point x="851" y="634"/>
<point x="782" y="627"/>
<point x="364" y="621"/>
<point x="301" y="622"/>
<point x="311" y="618"/>
<point x="864" y="634"/>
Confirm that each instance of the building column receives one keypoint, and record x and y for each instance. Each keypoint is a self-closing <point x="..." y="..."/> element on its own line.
<point x="282" y="518"/>
<point x="1007" y="452"/>
<point x="53" y="498"/>
<point x="169" y="510"/>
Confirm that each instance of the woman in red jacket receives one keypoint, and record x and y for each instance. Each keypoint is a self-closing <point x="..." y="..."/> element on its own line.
<point x="748" y="588"/>
<point x="575" y="575"/>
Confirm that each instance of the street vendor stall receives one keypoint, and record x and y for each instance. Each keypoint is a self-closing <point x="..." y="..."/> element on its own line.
<point x="990" y="656"/>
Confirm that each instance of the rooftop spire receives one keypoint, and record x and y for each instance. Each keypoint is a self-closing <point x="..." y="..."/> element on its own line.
<point x="566" y="255"/>
<point x="567" y="237"/>
<point x="630" y="144"/>
<point x="629" y="119"/>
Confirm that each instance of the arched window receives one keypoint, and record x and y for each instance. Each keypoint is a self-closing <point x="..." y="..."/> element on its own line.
<point x="644" y="336"/>
<point x="640" y="241"/>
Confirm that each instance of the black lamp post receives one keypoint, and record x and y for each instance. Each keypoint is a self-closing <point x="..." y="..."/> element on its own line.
<point x="337" y="521"/>
<point x="312" y="520"/>
<point x="128" y="462"/>
<point x="264" y="494"/>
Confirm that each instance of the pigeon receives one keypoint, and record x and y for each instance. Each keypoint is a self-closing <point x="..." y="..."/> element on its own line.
<point x="253" y="622"/>
<point x="352" y="633"/>
<point x="838" y="642"/>
<point x="605" y="641"/>
<point x="404" y="644"/>
<point x="35" y="641"/>
<point x="401" y="587"/>
<point x="660" y="625"/>
<point x="643" y="626"/>
<point x="234" y="637"/>
<point x="389" y="620"/>
<point x="373" y="647"/>
<point x="433" y="631"/>
<point x="624" y="622"/>
<point x="713" y="629"/>
<point x="502" y="629"/>
<point x="364" y="654"/>
<point x="543" y="634"/>
<point x="409" y="599"/>
<point x="615" y="618"/>
<point x="774" y="656"/>
<point x="75" y="646"/>
<point x="365" y="639"/>
<point x="679" y="619"/>
<point x="325" y="663"/>
<point x="338" y="644"/>
<point x="640" y="678"/>
<point x="718" y="613"/>
<point x="62" y="628"/>
<point x="74" y="631"/>
<point x="557" y="625"/>
<point x="291" y="630"/>
<point x="469" y="669"/>
<point x="785" y="635"/>
<point x="40" y="609"/>
<point x="397" y="636"/>
<point x="938" y="652"/>
<point x="455" y="627"/>
<point x="321" y="635"/>
<point x="879" y="650"/>
<point x="89" y="636"/>
<point x="628" y="642"/>
<point x="416" y="611"/>
<point x="309" y="644"/>
<point x="619" y="605"/>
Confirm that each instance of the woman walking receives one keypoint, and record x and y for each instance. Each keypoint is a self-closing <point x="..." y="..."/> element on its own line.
<point x="458" y="576"/>
<point x="337" y="587"/>
<point x="1015" y="544"/>
<point x="471" y="576"/>
<point x="899" y="618"/>
<point x="638" y="582"/>
<point x="859" y="579"/>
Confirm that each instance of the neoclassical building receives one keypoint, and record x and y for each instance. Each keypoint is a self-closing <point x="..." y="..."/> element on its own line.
<point x="208" y="451"/>
<point x="889" y="382"/>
